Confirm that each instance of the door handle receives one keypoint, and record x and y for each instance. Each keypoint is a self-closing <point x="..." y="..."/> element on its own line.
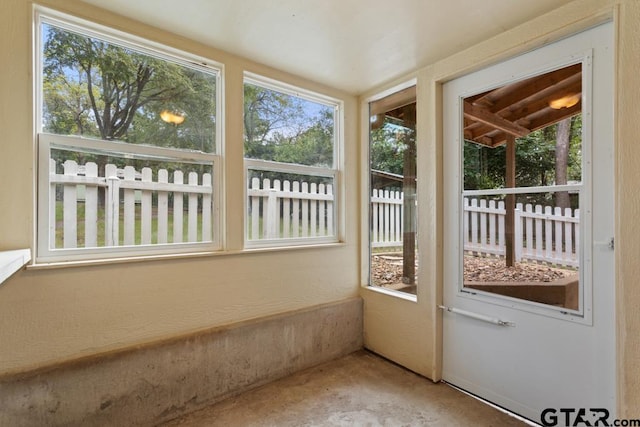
<point x="477" y="316"/>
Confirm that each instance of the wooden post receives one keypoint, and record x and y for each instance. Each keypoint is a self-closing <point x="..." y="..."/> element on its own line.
<point x="409" y="221"/>
<point x="510" y="182"/>
<point x="409" y="216"/>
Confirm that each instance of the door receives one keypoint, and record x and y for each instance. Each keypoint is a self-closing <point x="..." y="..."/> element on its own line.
<point x="394" y="299"/>
<point x="528" y="300"/>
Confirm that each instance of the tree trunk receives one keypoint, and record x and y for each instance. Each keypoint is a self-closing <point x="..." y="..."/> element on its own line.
<point x="563" y="137"/>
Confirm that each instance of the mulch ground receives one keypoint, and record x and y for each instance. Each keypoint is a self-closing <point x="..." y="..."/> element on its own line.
<point x="386" y="269"/>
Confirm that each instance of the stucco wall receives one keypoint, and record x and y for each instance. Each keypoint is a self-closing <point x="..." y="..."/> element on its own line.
<point x="49" y="315"/>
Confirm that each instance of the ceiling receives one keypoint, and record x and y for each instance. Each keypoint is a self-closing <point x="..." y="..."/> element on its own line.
<point x="352" y="45"/>
<point x="519" y="108"/>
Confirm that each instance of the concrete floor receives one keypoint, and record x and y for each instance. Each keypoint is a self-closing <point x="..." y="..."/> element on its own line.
<point x="361" y="389"/>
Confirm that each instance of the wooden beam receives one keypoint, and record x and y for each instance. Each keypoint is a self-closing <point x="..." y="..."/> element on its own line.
<point x="393" y="101"/>
<point x="487" y="117"/>
<point x="514" y="93"/>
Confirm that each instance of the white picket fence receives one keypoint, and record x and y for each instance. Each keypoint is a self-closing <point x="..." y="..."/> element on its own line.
<point x="286" y="209"/>
<point x="386" y="218"/>
<point x="545" y="234"/>
<point x="130" y="194"/>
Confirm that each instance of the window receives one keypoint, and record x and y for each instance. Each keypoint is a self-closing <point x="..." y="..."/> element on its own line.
<point x="393" y="205"/>
<point x="128" y="162"/>
<point x="291" y="146"/>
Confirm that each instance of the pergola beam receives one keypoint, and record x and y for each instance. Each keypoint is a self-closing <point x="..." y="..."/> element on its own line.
<point x="485" y="116"/>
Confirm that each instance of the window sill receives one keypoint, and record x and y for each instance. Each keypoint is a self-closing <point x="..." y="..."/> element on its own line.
<point x="12" y="261"/>
<point x="132" y="259"/>
<point x="392" y="293"/>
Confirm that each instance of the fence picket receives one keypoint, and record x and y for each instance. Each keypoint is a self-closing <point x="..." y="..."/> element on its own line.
<point x="129" y="207"/>
<point x="474" y="223"/>
<point x="529" y="229"/>
<point x="568" y="236"/>
<point x="374" y="217"/>
<point x="548" y="234"/>
<point x="192" y="227"/>
<point x="538" y="236"/>
<point x="483" y="222"/>
<point x="557" y="211"/>
<point x="296" y="210"/>
<point x="321" y="211"/>
<point x="465" y="222"/>
<point x="163" y="208"/>
<point x="286" y="210"/>
<point x="255" y="210"/>
<point x="492" y="224"/>
<point x="313" y="207"/>
<point x="70" y="207"/>
<point x="145" y="209"/>
<point x="207" y="208"/>
<point x="269" y="211"/>
<point x="501" y="218"/>
<point x="305" y="210"/>
<point x="178" y="208"/>
<point x="112" y="204"/>
<point x="91" y="208"/>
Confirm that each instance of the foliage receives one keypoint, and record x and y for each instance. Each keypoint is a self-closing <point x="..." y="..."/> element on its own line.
<point x="387" y="149"/>
<point x="99" y="89"/>
<point x="484" y="167"/>
<point x="284" y="128"/>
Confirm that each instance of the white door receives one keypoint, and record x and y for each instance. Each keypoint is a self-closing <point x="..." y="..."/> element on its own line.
<point x="523" y="352"/>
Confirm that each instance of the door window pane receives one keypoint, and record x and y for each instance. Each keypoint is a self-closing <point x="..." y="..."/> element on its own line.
<point x="518" y="243"/>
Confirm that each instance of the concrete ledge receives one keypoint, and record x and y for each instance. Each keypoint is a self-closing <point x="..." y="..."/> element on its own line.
<point x="156" y="382"/>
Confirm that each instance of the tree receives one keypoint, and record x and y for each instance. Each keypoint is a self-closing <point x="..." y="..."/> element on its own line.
<point x="386" y="149"/>
<point x="563" y="138"/>
<point x="265" y="113"/>
<point x="105" y="90"/>
<point x="284" y="128"/>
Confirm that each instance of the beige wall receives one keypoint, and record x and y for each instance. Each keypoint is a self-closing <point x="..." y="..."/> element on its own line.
<point x="54" y="314"/>
<point x="422" y="345"/>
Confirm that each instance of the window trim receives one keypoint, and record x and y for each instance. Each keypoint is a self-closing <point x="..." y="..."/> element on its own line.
<point x="335" y="171"/>
<point x="44" y="255"/>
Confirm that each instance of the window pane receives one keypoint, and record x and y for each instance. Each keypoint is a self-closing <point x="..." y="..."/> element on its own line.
<point x="392" y="152"/>
<point x="524" y="134"/>
<point x="102" y="199"/>
<point x="285" y="128"/>
<point x="95" y="88"/>
<point x="289" y="206"/>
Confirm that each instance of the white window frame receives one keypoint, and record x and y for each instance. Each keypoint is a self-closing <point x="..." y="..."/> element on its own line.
<point x="334" y="172"/>
<point x="44" y="142"/>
